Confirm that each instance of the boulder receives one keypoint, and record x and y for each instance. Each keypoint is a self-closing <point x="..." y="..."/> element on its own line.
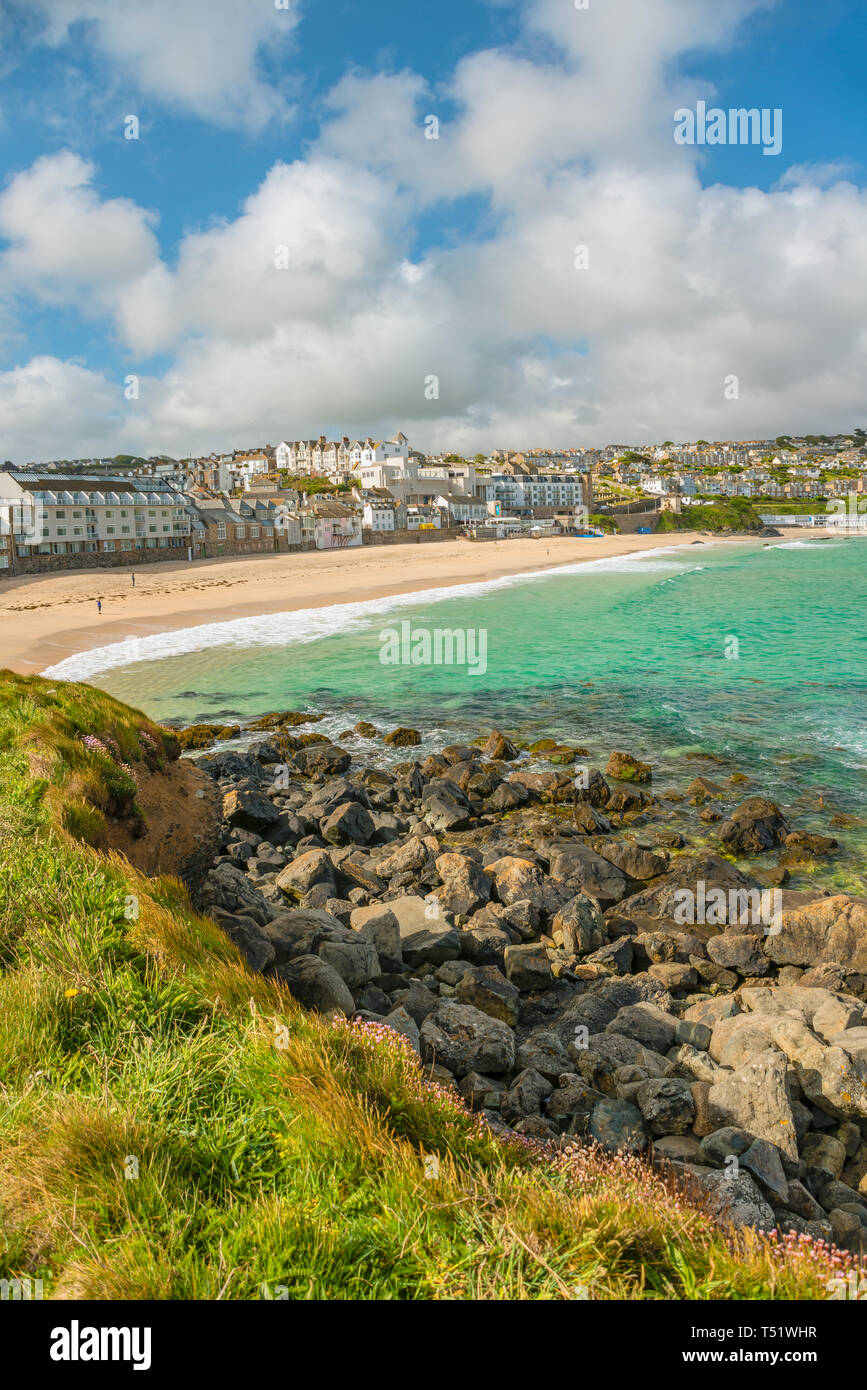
<point x="499" y="748"/>
<point x="740" y="953"/>
<point x="666" y="1105"/>
<point x="737" y="1201"/>
<point x="465" y="885"/>
<point x="426" y="937"/>
<point x="618" y="1127"/>
<point x="577" y="927"/>
<point x="403" y="738"/>
<point x="828" y="930"/>
<point x="317" y="985"/>
<point x="250" y="938"/>
<point x="645" y="1024"/>
<point x="755" y="1098"/>
<point x="633" y="860"/>
<point x="444" y="813"/>
<point x="378" y="925"/>
<point x="322" y="760"/>
<point x="311" y="868"/>
<point x="623" y="767"/>
<point x="584" y="871"/>
<point x="487" y="989"/>
<point x="834" y="1081"/>
<point x="544" y="1052"/>
<point x="520" y="880"/>
<point x="410" y="857"/>
<point x="525" y="1095"/>
<point x="756" y="825"/>
<point x="528" y="967"/>
<point x="301" y="933"/>
<point x="402" y="1022"/>
<point x="348" y="824"/>
<point x="464" y="1039"/>
<point x="227" y="887"/>
<point x="356" y="961"/>
<point x="250" y="810"/>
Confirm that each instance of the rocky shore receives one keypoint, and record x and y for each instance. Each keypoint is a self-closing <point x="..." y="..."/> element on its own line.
<point x="570" y="963"/>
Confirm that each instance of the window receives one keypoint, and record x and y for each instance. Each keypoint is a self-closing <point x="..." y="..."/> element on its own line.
<point x="109" y="513"/>
<point x="151" y="512"/>
<point x="152" y="528"/>
<point x="124" y="530"/>
<point x="254" y="533"/>
<point x="44" y="549"/>
<point x="59" y="547"/>
<point x="126" y="545"/>
<point x="221" y="530"/>
<point x="61" y="530"/>
<point x="108" y="545"/>
<point x="124" y="513"/>
<point x="239" y="533"/>
<point x="60" y="516"/>
<point x="76" y="530"/>
<point x="76" y="516"/>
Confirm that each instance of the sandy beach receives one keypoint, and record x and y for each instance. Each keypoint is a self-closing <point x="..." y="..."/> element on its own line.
<point x="46" y="618"/>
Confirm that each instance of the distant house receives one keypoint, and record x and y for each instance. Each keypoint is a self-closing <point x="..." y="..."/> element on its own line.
<point x="223" y="526"/>
<point x="329" y="526"/>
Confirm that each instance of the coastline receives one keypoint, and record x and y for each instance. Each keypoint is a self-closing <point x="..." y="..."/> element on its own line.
<point x="47" y="618"/>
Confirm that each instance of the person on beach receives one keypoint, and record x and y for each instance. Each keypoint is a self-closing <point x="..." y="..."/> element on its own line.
<point x="99" y="605"/>
<point x="133" y="580"/>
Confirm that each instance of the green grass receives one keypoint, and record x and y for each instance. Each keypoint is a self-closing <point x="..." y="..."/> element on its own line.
<point x="729" y="514"/>
<point x="174" y="1127"/>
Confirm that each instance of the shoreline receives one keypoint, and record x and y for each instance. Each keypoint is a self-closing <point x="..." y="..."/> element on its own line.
<point x="48" y="618"/>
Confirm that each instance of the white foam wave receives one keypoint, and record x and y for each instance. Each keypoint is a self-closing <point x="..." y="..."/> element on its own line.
<point x="311" y="624"/>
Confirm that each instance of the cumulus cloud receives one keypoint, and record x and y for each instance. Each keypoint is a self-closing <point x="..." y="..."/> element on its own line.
<point x="199" y="56"/>
<point x="677" y="286"/>
<point x="65" y="242"/>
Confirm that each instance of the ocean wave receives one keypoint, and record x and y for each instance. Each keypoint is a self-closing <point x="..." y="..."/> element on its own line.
<point x="312" y="624"/>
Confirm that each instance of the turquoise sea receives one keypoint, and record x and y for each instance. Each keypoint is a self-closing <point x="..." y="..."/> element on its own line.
<point x="755" y="653"/>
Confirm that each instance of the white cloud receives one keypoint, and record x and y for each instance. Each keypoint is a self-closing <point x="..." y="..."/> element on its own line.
<point x="65" y="242"/>
<point x="686" y="285"/>
<point x="200" y="56"/>
<point x="47" y="406"/>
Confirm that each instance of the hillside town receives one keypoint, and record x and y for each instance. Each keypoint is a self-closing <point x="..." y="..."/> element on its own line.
<point x="327" y="494"/>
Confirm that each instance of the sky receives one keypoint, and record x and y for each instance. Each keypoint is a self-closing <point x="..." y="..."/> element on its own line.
<point x="225" y="223"/>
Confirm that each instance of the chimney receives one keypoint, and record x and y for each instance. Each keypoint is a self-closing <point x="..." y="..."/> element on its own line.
<point x="322" y="439"/>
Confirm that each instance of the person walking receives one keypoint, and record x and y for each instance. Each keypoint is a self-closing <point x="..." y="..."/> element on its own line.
<point x="99" y="605"/>
<point x="133" y="580"/>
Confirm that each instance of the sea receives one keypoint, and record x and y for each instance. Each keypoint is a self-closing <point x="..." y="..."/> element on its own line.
<point x="740" y="656"/>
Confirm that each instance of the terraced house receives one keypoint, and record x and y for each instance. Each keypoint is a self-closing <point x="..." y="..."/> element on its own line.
<point x="53" y="521"/>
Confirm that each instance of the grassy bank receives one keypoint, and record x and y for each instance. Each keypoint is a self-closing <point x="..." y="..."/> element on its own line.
<point x="175" y="1127"/>
<point x="732" y="514"/>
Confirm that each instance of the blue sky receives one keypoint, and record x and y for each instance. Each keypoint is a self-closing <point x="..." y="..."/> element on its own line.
<point x="220" y="111"/>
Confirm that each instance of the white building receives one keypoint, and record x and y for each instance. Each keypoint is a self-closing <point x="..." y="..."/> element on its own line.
<point x="379" y="515"/>
<point x="47" y="514"/>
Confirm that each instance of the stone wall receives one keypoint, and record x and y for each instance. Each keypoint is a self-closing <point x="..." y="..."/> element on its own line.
<point x="93" y="560"/>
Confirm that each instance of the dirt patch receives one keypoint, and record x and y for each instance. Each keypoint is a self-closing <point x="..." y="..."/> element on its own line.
<point x="182" y="812"/>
